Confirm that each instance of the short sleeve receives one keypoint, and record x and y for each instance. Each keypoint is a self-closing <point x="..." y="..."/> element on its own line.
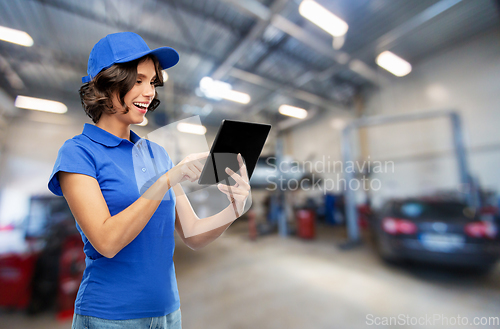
<point x="72" y="157"/>
<point x="169" y="164"/>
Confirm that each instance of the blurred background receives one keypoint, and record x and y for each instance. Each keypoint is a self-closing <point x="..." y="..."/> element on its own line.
<point x="376" y="195"/>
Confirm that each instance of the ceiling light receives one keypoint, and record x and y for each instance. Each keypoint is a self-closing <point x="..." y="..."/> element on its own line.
<point x="165" y="75"/>
<point x="323" y="18"/>
<point x="221" y="90"/>
<point x="38" y="104"/>
<point x="293" y="111"/>
<point x="236" y="96"/>
<point x="394" y="64"/>
<point x="15" y="36"/>
<point x="49" y="118"/>
<point x="191" y="128"/>
<point x="143" y="123"/>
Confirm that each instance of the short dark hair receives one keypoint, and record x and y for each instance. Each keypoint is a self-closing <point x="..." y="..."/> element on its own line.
<point x="97" y="95"/>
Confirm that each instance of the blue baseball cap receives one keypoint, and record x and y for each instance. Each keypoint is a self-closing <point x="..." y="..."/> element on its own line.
<point x="125" y="47"/>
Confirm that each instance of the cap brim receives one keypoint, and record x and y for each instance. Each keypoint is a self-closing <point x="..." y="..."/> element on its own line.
<point x="167" y="57"/>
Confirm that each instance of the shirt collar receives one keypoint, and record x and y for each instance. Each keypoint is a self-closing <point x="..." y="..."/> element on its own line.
<point x="105" y="138"/>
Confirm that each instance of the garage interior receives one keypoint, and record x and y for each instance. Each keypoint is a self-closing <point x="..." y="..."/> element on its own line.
<point x="359" y="152"/>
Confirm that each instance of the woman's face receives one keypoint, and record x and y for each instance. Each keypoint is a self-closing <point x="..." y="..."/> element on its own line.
<point x="139" y="97"/>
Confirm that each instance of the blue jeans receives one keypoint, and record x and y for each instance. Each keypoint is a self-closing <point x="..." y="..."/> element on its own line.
<point x="169" y="321"/>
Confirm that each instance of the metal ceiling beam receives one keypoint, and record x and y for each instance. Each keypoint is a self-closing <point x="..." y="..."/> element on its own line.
<point x="88" y="14"/>
<point x="46" y="56"/>
<point x="274" y="48"/>
<point x="262" y="13"/>
<point x="278" y="87"/>
<point x="7" y="108"/>
<point x="343" y="59"/>
<point x="255" y="33"/>
<point x="259" y="11"/>
<point x="289" y="90"/>
<point x="82" y="12"/>
<point x="305" y="37"/>
<point x="12" y="77"/>
<point x="206" y="15"/>
<point x="254" y="79"/>
<point x="259" y="8"/>
<point x="308" y="39"/>
<point x="388" y="40"/>
<point x="252" y="8"/>
<point x="269" y="16"/>
<point x="184" y="29"/>
<point x="182" y="91"/>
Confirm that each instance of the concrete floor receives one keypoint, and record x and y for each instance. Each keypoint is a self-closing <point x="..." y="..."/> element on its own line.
<point x="289" y="283"/>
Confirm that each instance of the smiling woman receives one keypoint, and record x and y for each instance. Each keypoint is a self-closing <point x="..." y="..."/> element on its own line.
<point x="110" y="90"/>
<point x="128" y="233"/>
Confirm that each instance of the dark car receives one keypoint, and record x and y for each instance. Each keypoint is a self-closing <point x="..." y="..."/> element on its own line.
<point x="444" y="232"/>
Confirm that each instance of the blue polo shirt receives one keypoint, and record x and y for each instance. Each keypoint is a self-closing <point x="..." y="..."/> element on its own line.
<point x="140" y="280"/>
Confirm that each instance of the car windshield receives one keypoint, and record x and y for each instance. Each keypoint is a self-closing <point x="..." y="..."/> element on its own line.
<point x="419" y="209"/>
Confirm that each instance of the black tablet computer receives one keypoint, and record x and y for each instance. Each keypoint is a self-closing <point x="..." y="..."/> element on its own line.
<point x="233" y="137"/>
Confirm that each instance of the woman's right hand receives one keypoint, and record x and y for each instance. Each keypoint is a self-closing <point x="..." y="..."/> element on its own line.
<point x="188" y="169"/>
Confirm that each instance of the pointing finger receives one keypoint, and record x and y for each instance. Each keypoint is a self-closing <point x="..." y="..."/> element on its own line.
<point x="237" y="178"/>
<point x="243" y="168"/>
<point x="201" y="155"/>
<point x="196" y="164"/>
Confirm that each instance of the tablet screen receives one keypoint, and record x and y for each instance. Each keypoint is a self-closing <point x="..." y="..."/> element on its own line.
<point x="233" y="137"/>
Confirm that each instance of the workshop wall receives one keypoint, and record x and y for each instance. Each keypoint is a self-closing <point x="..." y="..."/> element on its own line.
<point x="465" y="78"/>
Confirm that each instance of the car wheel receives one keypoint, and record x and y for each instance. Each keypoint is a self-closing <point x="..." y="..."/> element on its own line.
<point x="483" y="269"/>
<point x="385" y="252"/>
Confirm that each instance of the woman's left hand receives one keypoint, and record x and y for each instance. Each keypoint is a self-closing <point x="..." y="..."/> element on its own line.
<point x="238" y="193"/>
